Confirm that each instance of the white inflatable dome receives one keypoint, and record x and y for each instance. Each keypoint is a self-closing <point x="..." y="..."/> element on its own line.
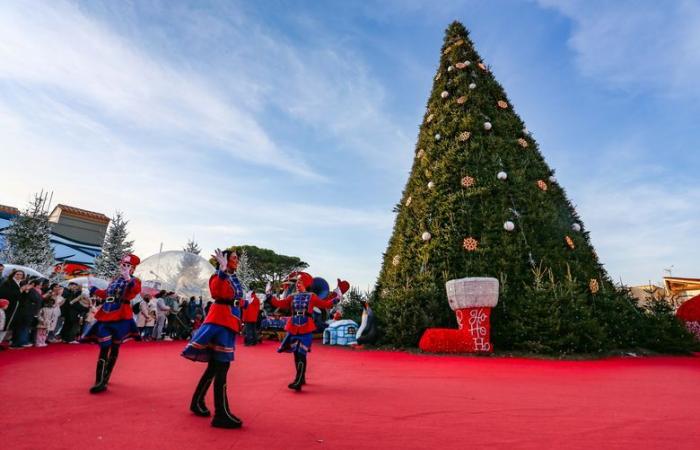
<point x="184" y="273"/>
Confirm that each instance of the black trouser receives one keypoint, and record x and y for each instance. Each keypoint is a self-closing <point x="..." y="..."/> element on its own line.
<point x="250" y="331"/>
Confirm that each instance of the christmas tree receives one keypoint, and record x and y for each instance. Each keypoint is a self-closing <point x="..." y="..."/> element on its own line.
<point x="186" y="279"/>
<point x="28" y="238"/>
<point x="245" y="271"/>
<point x="481" y="201"/>
<point x="114" y="247"/>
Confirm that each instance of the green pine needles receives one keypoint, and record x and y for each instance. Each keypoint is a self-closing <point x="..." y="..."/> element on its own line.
<point x="481" y="201"/>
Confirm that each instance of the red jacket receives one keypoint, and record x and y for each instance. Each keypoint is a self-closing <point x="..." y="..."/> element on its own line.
<point x="250" y="314"/>
<point x="124" y="312"/>
<point x="224" y="312"/>
<point x="309" y="326"/>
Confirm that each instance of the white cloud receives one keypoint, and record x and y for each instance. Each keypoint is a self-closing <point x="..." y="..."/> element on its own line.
<point x="642" y="217"/>
<point x="56" y="48"/>
<point x="635" y="44"/>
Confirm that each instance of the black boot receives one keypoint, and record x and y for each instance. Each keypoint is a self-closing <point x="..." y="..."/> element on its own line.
<point x="198" y="406"/>
<point x="100" y="382"/>
<point x="223" y="418"/>
<point x="301" y="368"/>
<point x="111" y="361"/>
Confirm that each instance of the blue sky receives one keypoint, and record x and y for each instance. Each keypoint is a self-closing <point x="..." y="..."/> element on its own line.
<point x="291" y="124"/>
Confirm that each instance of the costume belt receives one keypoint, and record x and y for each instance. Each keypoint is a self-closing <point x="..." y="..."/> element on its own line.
<point x="236" y="303"/>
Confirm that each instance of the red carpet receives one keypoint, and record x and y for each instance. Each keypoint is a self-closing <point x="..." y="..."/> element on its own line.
<point x="355" y="399"/>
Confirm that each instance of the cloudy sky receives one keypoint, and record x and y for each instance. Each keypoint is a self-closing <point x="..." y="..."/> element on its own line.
<point x="291" y="124"/>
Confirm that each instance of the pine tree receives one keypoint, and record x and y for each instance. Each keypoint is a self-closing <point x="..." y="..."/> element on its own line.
<point x="28" y="238"/>
<point x="245" y="271"/>
<point x="114" y="247"/>
<point x="481" y="201"/>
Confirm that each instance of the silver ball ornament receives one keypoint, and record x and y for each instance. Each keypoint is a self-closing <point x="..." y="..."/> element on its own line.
<point x="576" y="227"/>
<point x="472" y="85"/>
<point x="437" y="136"/>
<point x="509" y="226"/>
<point x="450" y="69"/>
<point x="426" y="236"/>
<point x="444" y="94"/>
<point x="487" y="126"/>
<point x="431" y="185"/>
<point x="552" y="179"/>
<point x="502" y="176"/>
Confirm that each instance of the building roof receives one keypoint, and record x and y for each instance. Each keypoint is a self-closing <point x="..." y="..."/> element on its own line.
<point x="9" y="210"/>
<point x="680" y="284"/>
<point x="79" y="212"/>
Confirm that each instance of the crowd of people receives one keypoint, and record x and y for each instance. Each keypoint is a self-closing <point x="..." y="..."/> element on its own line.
<point x="35" y="312"/>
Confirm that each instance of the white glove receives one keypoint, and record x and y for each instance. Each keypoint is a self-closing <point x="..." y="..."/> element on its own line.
<point x="220" y="258"/>
<point x="268" y="288"/>
<point x="338" y="293"/>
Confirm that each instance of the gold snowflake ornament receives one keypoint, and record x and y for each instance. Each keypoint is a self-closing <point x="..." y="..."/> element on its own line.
<point x="464" y="136"/>
<point x="470" y="244"/>
<point x="542" y="185"/>
<point x="569" y="242"/>
<point x="593" y="286"/>
<point x="468" y="181"/>
<point x="522" y="142"/>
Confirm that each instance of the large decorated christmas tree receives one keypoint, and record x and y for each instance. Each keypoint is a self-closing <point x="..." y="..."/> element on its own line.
<point x="481" y="201"/>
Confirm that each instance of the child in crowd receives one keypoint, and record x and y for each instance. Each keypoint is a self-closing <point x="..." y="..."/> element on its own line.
<point x="47" y="319"/>
<point x="4" y="303"/>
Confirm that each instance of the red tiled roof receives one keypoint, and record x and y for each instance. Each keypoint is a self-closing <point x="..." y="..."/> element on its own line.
<point x="73" y="211"/>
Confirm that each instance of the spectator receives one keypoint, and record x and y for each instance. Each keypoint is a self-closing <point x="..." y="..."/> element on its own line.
<point x="4" y="303"/>
<point x="10" y="290"/>
<point x="56" y="294"/>
<point x="146" y="318"/>
<point x="2" y="270"/>
<point x="161" y="314"/>
<point x="24" y="315"/>
<point x="47" y="319"/>
<point x="250" y="320"/>
<point x="71" y="310"/>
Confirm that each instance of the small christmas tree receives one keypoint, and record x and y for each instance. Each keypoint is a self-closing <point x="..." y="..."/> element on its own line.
<point x="186" y="278"/>
<point x="114" y="247"/>
<point x="28" y="238"/>
<point x="245" y="271"/>
<point x="481" y="201"/>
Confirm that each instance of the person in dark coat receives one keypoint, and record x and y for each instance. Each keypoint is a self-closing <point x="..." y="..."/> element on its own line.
<point x="70" y="310"/>
<point x="10" y="290"/>
<point x="25" y="314"/>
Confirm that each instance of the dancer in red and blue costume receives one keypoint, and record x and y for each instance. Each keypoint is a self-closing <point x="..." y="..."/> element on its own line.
<point x="215" y="341"/>
<point x="300" y="326"/>
<point x="114" y="320"/>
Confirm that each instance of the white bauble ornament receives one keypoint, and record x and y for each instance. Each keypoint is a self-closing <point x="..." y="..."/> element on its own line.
<point x="509" y="226"/>
<point x="431" y="185"/>
<point x="502" y="176"/>
<point x="553" y="179"/>
<point x="487" y="126"/>
<point x="444" y="94"/>
<point x="472" y="85"/>
<point x="467" y="63"/>
<point x="576" y="227"/>
<point x="425" y="236"/>
<point x="525" y="131"/>
<point x="437" y="136"/>
<point x="449" y="69"/>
